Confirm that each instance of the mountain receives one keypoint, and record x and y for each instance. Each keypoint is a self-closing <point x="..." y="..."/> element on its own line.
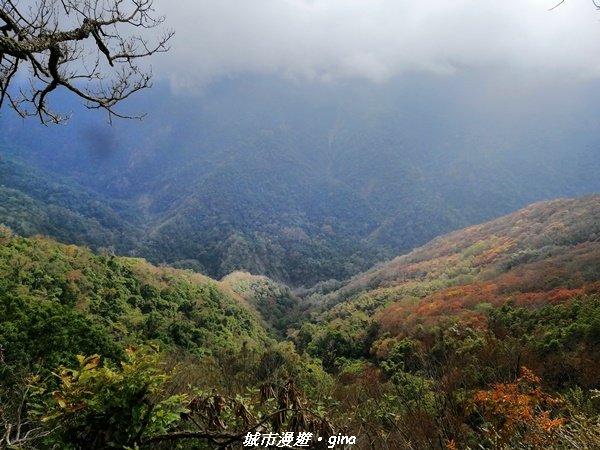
<point x="544" y="256"/>
<point x="561" y="235"/>
<point x="58" y="301"/>
<point x="304" y="182"/>
<point x="450" y="341"/>
<point x="276" y="303"/>
<point x="117" y="346"/>
<point x="42" y="202"/>
<point x="487" y="336"/>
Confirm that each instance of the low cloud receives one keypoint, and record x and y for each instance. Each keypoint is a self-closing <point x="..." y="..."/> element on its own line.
<point x="377" y="39"/>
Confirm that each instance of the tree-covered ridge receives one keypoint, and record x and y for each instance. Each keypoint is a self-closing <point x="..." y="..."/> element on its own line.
<point x="275" y="302"/>
<point x="80" y="365"/>
<point x="52" y="292"/>
<point x="485" y="251"/>
<point x="485" y="338"/>
<point x="266" y="212"/>
<point x="546" y="253"/>
<point x="304" y="184"/>
<point x="431" y="342"/>
<point x="34" y="202"/>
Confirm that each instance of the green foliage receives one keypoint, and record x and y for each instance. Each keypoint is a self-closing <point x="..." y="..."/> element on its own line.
<point x="58" y="302"/>
<point x="104" y="404"/>
<point x="274" y="301"/>
<point x="42" y="333"/>
<point x="101" y="405"/>
<point x="51" y="293"/>
<point x="396" y="353"/>
<point x="33" y="202"/>
<point x="404" y="356"/>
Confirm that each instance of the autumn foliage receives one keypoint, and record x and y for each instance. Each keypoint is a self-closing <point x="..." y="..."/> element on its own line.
<point x="518" y="412"/>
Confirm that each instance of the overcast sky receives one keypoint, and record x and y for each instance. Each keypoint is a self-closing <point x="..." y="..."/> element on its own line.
<point x="378" y="39"/>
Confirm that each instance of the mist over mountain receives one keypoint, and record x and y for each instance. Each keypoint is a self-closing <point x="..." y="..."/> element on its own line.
<point x="307" y="181"/>
<point x="339" y="224"/>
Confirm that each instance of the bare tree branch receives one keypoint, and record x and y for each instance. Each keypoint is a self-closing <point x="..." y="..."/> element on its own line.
<point x="595" y="2"/>
<point x="87" y="47"/>
<point x="557" y="5"/>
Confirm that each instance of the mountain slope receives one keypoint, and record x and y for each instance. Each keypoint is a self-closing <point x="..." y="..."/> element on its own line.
<point x="92" y="343"/>
<point x="275" y="302"/>
<point x="541" y="232"/>
<point x="41" y="202"/>
<point x="57" y="301"/>
<point x="487" y="332"/>
<point x="547" y="253"/>
<point x="448" y="342"/>
<point x="304" y="182"/>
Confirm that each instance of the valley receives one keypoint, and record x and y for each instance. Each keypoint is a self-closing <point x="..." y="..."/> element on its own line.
<point x="296" y="181"/>
<point x="416" y="351"/>
<point x="301" y="224"/>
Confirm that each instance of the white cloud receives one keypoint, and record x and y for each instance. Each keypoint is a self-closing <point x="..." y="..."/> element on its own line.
<point x="377" y="39"/>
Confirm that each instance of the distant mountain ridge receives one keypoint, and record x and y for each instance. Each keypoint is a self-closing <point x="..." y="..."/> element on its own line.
<point x="546" y="253"/>
<point x="35" y="202"/>
<point x="530" y="234"/>
<point x="303" y="182"/>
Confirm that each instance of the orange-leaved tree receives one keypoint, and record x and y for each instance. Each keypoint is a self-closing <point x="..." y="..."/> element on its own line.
<point x="519" y="412"/>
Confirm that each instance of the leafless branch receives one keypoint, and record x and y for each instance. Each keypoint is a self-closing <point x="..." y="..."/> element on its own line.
<point x="16" y="430"/>
<point x="595" y="2"/>
<point x="87" y="47"/>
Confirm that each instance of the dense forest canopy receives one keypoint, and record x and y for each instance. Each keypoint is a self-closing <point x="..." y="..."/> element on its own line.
<point x="486" y="336"/>
<point x="297" y="181"/>
<point x="343" y="224"/>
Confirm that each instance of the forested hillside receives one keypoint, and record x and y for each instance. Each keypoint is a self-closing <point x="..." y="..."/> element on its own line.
<point x="434" y="340"/>
<point x="485" y="337"/>
<point x="98" y="351"/>
<point x="324" y="224"/>
<point x="303" y="182"/>
<point x="52" y="287"/>
<point x="35" y="202"/>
